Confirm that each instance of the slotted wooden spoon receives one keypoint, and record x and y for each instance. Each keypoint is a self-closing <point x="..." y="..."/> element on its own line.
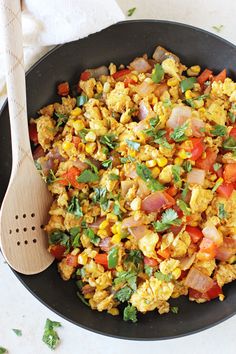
<point x="25" y="206"/>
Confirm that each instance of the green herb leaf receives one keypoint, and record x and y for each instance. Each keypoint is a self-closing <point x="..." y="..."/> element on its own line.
<point x="81" y="100"/>
<point x="146" y="175"/>
<point x="110" y="140"/>
<point x="154" y="121"/>
<point x="100" y="196"/>
<point x="133" y="144"/>
<point x="117" y="211"/>
<point x="191" y="101"/>
<point x="185" y="191"/>
<point x="158" y="137"/>
<point x="82" y="134"/>
<point x="216" y="186"/>
<point x="93" y="167"/>
<point x="131" y="11"/>
<point x="107" y="163"/>
<point x="187" y="84"/>
<point x="59" y="237"/>
<point x="176" y="170"/>
<point x="37" y="165"/>
<point x="81" y="297"/>
<point x="135" y="257"/>
<point x="123" y="294"/>
<point x="18" y="332"/>
<point x="218" y="28"/>
<point x="219" y="130"/>
<point x="113" y="177"/>
<point x="51" y="178"/>
<point x="62" y="119"/>
<point x="165" y="277"/>
<point x="92" y="237"/>
<point x="222" y="213"/>
<point x="127" y="159"/>
<point x="87" y="176"/>
<point x="74" y="207"/>
<point x="75" y="233"/>
<point x="184" y="207"/>
<point x="3" y="350"/>
<point x="178" y="134"/>
<point x="113" y="256"/>
<point x="216" y="166"/>
<point x="187" y="166"/>
<point x="168" y="218"/>
<point x="130" y="313"/>
<point x="128" y="277"/>
<point x="148" y="270"/>
<point x="174" y="309"/>
<point x="230" y="143"/>
<point x="167" y="103"/>
<point x="158" y="73"/>
<point x="50" y="336"/>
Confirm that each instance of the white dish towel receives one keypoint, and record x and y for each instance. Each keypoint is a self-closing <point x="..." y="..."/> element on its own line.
<point x="50" y="22"/>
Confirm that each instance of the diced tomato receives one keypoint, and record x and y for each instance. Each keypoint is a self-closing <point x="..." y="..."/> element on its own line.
<point x="229" y="173"/>
<point x="221" y="76"/>
<point x="219" y="172"/>
<point x="76" y="140"/>
<point x="57" y="251"/>
<point x="225" y="189"/>
<point x="38" y="152"/>
<point x="172" y="191"/>
<point x="128" y="81"/>
<point x="121" y="73"/>
<point x="194" y="294"/>
<point x="195" y="233"/>
<point x="205" y="75"/>
<point x="214" y="292"/>
<point x="164" y="253"/>
<point x="63" y="89"/>
<point x="208" y="162"/>
<point x="183" y="274"/>
<point x="233" y="132"/>
<point x="85" y="75"/>
<point x="72" y="260"/>
<point x="195" y="146"/>
<point x="69" y="178"/>
<point x="33" y="134"/>
<point x="176" y="229"/>
<point x="150" y="262"/>
<point x="207" y="248"/>
<point x="101" y="258"/>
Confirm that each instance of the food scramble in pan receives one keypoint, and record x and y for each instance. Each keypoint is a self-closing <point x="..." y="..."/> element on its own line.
<point x="141" y="163"/>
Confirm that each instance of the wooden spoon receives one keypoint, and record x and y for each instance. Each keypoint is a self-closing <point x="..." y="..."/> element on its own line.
<point x="25" y="206"/>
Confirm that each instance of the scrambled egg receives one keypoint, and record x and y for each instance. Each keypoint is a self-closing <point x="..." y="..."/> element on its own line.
<point x="200" y="199"/>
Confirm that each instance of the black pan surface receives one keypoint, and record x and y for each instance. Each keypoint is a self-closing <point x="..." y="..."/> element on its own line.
<point x="119" y="44"/>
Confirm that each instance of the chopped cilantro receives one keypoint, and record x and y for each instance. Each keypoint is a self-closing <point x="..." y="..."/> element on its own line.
<point x="218" y="28"/>
<point x="190" y="101"/>
<point x="168" y="218"/>
<point x="61" y="119"/>
<point x="75" y="233"/>
<point x="133" y="144"/>
<point x="185" y="191"/>
<point x="176" y="170"/>
<point x="165" y="277"/>
<point x="50" y="336"/>
<point x="184" y="207"/>
<point x="113" y="256"/>
<point x="217" y="184"/>
<point x="216" y="166"/>
<point x="148" y="270"/>
<point x="131" y="11"/>
<point x="123" y="294"/>
<point x="87" y="176"/>
<point x="107" y="163"/>
<point x="130" y="313"/>
<point x="81" y="297"/>
<point x="187" y="166"/>
<point x="134" y="257"/>
<point x="81" y="100"/>
<point x="92" y="237"/>
<point x="18" y="332"/>
<point x="37" y="165"/>
<point x="222" y="213"/>
<point x="128" y="277"/>
<point x="93" y="167"/>
<point x="83" y="133"/>
<point x="230" y="143"/>
<point x="146" y="175"/>
<point x="219" y="130"/>
<point x="158" y="137"/>
<point x="51" y="178"/>
<point x="154" y="121"/>
<point x="3" y="350"/>
<point x="117" y="210"/>
<point x="110" y="140"/>
<point x="59" y="237"/>
<point x="178" y="134"/>
<point x="187" y="84"/>
<point x="74" y="207"/>
<point x="167" y="103"/>
<point x="157" y="73"/>
<point x="113" y="177"/>
<point x="174" y="309"/>
<point x="100" y="196"/>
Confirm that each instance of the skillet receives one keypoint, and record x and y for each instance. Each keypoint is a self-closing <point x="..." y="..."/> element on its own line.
<point x="119" y="43"/>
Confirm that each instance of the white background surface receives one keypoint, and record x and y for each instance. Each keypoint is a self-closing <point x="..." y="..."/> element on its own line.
<point x="19" y="309"/>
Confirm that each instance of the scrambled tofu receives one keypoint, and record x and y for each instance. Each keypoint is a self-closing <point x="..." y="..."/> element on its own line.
<point x="225" y="273"/>
<point x="46" y="131"/>
<point x="200" y="199"/>
<point x="148" y="243"/>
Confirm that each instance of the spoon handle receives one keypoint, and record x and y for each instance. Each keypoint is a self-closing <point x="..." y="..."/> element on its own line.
<point x="15" y="79"/>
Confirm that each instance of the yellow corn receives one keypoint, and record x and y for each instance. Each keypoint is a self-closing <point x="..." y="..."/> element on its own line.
<point x="132" y="153"/>
<point x="119" y="268"/>
<point x="172" y="82"/>
<point x="202" y="110"/>
<point x="176" y="273"/>
<point x="78" y="125"/>
<point x="178" y="161"/>
<point x="82" y="258"/>
<point x="196" y="69"/>
<point x="69" y="147"/>
<point x="221" y="297"/>
<point x="162" y="161"/>
<point x="154" y="100"/>
<point x="99" y="87"/>
<point x="76" y="112"/>
<point x="106" y="87"/>
<point x="155" y="172"/>
<point x="116" y="238"/>
<point x="90" y="137"/>
<point x="188" y="94"/>
<point x="102" y="233"/>
<point x="213" y="177"/>
<point x="90" y="148"/>
<point x="88" y="296"/>
<point x="114" y="229"/>
<point x="183" y="154"/>
<point x="151" y="163"/>
<point x="113" y="311"/>
<point x="220" y="181"/>
<point x="141" y="137"/>
<point x="112" y="217"/>
<point x="104" y="224"/>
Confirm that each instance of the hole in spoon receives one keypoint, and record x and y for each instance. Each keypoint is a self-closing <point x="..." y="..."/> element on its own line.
<point x="34" y="240"/>
<point x="25" y="229"/>
<point x="42" y="226"/>
<point x="17" y="230"/>
<point x="18" y="243"/>
<point x="26" y="242"/>
<point x="33" y="228"/>
<point x="10" y="232"/>
<point x="32" y="215"/>
<point x="16" y="216"/>
<point x="24" y="216"/>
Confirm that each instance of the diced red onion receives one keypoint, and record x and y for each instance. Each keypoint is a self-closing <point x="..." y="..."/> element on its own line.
<point x="132" y="222"/>
<point x="196" y="176"/>
<point x="141" y="65"/>
<point x="80" y="165"/>
<point x="131" y="172"/>
<point x="97" y="72"/>
<point x="226" y="250"/>
<point x="95" y="225"/>
<point x="179" y="115"/>
<point x="105" y="244"/>
<point x="197" y="126"/>
<point x="161" y="54"/>
<point x="145" y="88"/>
<point x="143" y="191"/>
<point x="139" y="231"/>
<point x="156" y="201"/>
<point x="125" y="186"/>
<point x="198" y="280"/>
<point x="87" y="289"/>
<point x="38" y="152"/>
<point x="211" y="232"/>
<point x="186" y="262"/>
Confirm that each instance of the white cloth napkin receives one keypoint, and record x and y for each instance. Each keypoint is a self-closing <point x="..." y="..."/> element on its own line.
<point x="50" y="22"/>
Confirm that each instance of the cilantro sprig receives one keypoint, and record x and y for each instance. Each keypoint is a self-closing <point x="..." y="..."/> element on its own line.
<point x="50" y="336"/>
<point x="179" y="133"/>
<point x="130" y="313"/>
<point x="168" y="218"/>
<point x="74" y="207"/>
<point x="146" y="175"/>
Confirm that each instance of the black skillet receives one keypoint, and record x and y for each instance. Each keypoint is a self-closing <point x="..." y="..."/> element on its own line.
<point x="119" y="44"/>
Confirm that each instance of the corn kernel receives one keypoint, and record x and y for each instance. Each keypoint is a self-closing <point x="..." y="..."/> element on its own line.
<point x="112" y="68"/>
<point x="113" y="311"/>
<point x="136" y="203"/>
<point x="116" y="238"/>
<point x="90" y="148"/>
<point x="106" y="87"/>
<point x="112" y="217"/>
<point x="69" y="147"/>
<point x="88" y="296"/>
<point x="134" y="77"/>
<point x="220" y="181"/>
<point x="76" y="112"/>
<point x="82" y="258"/>
<point x="104" y="224"/>
<point x="155" y="172"/>
<point x="114" y="229"/>
<point x="188" y="94"/>
<point x="178" y="161"/>
<point x="196" y="69"/>
<point x="78" y="125"/>
<point x="132" y="153"/>
<point x="202" y="110"/>
<point x="141" y="137"/>
<point x="183" y="154"/>
<point x="162" y="161"/>
<point x="221" y="297"/>
<point x="199" y="103"/>
<point x="99" y="87"/>
<point x="102" y="233"/>
<point x="151" y="163"/>
<point x="176" y="273"/>
<point x="154" y="101"/>
<point x="213" y="177"/>
<point x="90" y="137"/>
<point x="172" y="82"/>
